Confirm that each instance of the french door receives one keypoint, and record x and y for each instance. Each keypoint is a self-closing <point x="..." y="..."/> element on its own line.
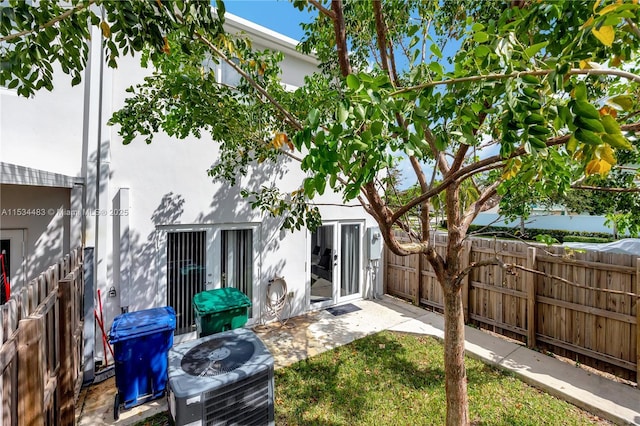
<point x="335" y="275"/>
<point x="205" y="258"/>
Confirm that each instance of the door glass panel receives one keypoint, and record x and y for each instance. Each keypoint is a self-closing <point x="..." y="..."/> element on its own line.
<point x="350" y="260"/>
<point x="237" y="260"/>
<point x="186" y="271"/>
<point x="322" y="254"/>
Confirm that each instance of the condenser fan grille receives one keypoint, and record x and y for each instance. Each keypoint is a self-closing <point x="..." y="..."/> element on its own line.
<point x="217" y="356"/>
<point x="245" y="402"/>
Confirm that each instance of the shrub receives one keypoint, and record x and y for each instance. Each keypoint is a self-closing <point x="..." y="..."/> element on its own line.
<point x="582" y="239"/>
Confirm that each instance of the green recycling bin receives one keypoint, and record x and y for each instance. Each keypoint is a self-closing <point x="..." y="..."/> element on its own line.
<point x="220" y="310"/>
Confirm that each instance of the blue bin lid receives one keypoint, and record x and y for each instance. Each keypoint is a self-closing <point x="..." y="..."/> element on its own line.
<point x="140" y="323"/>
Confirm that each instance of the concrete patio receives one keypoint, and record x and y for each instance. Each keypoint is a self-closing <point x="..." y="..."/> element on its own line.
<point x="311" y="334"/>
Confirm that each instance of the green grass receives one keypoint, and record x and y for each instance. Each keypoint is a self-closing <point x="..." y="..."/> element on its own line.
<point x="398" y="379"/>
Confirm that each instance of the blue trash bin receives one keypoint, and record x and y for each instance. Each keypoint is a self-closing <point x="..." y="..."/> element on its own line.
<point x="141" y="342"/>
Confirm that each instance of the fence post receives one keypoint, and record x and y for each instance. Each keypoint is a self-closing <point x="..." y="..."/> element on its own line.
<point x="466" y="259"/>
<point x="65" y="338"/>
<point x="530" y="281"/>
<point x="416" y="285"/>
<point x="385" y="269"/>
<point x="638" y="320"/>
<point x="30" y="372"/>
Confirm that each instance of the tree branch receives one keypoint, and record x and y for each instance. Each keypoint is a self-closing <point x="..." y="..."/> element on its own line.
<point x="484" y="165"/>
<point x="476" y="207"/>
<point x="381" y="32"/>
<point x="509" y="267"/>
<point x="599" y="188"/>
<point x="287" y="115"/>
<point x="633" y="27"/>
<point x="322" y="9"/>
<point x="341" y="37"/>
<point x="573" y="71"/>
<point x="49" y="23"/>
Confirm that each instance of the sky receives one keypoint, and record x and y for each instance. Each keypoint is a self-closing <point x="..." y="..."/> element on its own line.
<point x="277" y="15"/>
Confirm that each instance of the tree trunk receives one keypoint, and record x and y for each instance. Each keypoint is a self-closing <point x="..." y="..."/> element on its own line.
<point x="455" y="372"/>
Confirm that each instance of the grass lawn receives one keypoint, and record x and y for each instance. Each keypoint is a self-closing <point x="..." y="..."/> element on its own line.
<point x="398" y="379"/>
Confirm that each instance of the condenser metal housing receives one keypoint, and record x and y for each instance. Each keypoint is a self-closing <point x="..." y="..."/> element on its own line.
<point x="221" y="379"/>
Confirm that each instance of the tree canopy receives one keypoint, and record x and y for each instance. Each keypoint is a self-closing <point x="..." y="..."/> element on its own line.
<point x="485" y="97"/>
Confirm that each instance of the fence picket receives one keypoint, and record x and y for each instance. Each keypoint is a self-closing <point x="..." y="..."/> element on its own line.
<point x="592" y="316"/>
<point x="33" y="332"/>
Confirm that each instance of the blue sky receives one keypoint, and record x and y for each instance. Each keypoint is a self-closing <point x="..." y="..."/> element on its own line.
<point x="277" y="15"/>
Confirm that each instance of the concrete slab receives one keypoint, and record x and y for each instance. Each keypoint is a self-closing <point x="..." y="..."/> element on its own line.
<point x="96" y="407"/>
<point x="616" y="402"/>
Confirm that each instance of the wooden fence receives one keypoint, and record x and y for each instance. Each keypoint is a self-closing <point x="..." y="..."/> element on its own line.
<point x="590" y="314"/>
<point x="41" y="347"/>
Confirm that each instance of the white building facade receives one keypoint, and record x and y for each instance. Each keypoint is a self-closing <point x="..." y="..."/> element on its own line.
<point x="160" y="229"/>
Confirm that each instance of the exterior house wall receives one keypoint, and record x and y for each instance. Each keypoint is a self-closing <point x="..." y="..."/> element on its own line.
<point x="142" y="192"/>
<point x="50" y="122"/>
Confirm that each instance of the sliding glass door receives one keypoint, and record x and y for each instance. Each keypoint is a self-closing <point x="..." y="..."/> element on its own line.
<point x="236" y="260"/>
<point x="350" y="266"/>
<point x="206" y="257"/>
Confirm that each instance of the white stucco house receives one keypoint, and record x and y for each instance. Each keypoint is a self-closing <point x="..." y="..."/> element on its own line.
<point x="160" y="229"/>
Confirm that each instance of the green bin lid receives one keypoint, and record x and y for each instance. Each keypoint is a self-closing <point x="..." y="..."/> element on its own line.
<point x="219" y="300"/>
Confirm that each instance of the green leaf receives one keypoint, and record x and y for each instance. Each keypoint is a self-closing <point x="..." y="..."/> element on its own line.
<point x="546" y="239"/>
<point x="476" y="107"/>
<point x="420" y="112"/>
<point x="441" y="143"/>
<point x="588" y="137"/>
<point x="435" y="50"/>
<point x="532" y="50"/>
<point x="436" y="68"/>
<point x="480" y="37"/>
<point x="320" y="184"/>
<point x="313" y="118"/>
<point x="482" y="51"/>
<point x="610" y="124"/>
<point x="617" y="141"/>
<point x="585" y="109"/>
<point x="360" y="112"/>
<point x="572" y="144"/>
<point x="343" y="114"/>
<point x="376" y="128"/>
<point x="580" y="92"/>
<point x="309" y="187"/>
<point x="353" y="82"/>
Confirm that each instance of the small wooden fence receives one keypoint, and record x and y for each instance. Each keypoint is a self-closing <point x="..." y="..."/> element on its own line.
<point x="41" y="347"/>
<point x="590" y="314"/>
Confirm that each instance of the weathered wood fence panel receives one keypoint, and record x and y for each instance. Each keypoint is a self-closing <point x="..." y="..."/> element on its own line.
<point x="41" y="346"/>
<point x="579" y="305"/>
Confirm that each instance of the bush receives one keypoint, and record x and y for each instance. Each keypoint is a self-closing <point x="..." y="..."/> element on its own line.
<point x="581" y="239"/>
